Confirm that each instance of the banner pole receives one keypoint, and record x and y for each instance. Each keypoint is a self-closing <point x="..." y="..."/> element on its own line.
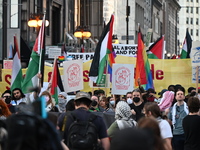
<point x="197" y="78"/>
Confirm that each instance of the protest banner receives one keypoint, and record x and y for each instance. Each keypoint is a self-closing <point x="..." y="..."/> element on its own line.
<point x="164" y="73"/>
<point x="122" y="78"/>
<point x="84" y="56"/>
<point x="73" y="75"/>
<point x="125" y="50"/>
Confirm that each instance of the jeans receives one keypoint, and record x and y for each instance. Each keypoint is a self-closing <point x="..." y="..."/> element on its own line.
<point x="178" y="142"/>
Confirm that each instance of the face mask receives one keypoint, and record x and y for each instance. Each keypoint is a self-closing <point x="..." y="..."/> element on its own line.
<point x="8" y="100"/>
<point x="62" y="101"/>
<point x="136" y="99"/>
<point x="129" y="101"/>
<point x="112" y="103"/>
<point x="47" y="98"/>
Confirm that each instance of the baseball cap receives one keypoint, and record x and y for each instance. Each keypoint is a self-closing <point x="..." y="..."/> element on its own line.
<point x="82" y="95"/>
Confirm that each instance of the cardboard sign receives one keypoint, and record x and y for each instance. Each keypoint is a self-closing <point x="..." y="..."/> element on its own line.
<point x="54" y="52"/>
<point x="105" y="82"/>
<point x="194" y="71"/>
<point x="122" y="78"/>
<point x="73" y="75"/>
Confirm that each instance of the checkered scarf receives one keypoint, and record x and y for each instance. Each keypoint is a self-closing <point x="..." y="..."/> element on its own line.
<point x="122" y="111"/>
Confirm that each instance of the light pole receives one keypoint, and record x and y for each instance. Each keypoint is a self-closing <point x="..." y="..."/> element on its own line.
<point x="82" y="32"/>
<point x="127" y="20"/>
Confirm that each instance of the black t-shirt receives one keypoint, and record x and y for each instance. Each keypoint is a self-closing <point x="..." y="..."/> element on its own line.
<point x="83" y="114"/>
<point x="191" y="127"/>
<point x="138" y="110"/>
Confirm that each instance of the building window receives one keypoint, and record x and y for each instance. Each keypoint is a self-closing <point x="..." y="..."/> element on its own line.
<point x="197" y="10"/>
<point x="197" y="32"/>
<point x="14" y="15"/>
<point x="197" y="1"/>
<point x="191" y="10"/>
<point x="197" y="21"/>
<point x="156" y="24"/>
<point x="191" y="20"/>
<point x="187" y="10"/>
<point x="187" y="20"/>
<point x="191" y="0"/>
<point x="191" y="32"/>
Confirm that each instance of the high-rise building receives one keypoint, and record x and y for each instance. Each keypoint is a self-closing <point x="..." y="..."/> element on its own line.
<point x="189" y="17"/>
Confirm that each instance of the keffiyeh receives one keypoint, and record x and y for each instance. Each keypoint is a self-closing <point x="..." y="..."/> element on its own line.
<point x="123" y="115"/>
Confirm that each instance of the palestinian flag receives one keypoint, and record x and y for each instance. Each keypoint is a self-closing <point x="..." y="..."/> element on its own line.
<point x="56" y="82"/>
<point x="103" y="54"/>
<point x="16" y="80"/>
<point x="187" y="45"/>
<point x="156" y="50"/>
<point x="34" y="67"/>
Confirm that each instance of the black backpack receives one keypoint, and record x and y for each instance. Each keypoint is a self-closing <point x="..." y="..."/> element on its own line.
<point x="28" y="131"/>
<point x="82" y="135"/>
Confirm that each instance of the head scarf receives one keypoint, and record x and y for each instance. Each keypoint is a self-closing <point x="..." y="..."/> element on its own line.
<point x="122" y="110"/>
<point x="123" y="115"/>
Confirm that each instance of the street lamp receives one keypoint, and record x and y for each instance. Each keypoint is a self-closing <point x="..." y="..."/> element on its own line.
<point x="168" y="55"/>
<point x="82" y="32"/>
<point x="36" y="22"/>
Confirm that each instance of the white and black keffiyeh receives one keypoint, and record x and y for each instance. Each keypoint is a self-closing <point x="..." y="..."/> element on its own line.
<point x="123" y="115"/>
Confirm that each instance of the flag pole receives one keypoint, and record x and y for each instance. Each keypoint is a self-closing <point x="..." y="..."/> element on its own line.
<point x="197" y="78"/>
<point x="106" y="76"/>
<point x="42" y="54"/>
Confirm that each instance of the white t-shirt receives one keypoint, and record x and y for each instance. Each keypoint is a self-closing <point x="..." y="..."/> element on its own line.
<point x="165" y="129"/>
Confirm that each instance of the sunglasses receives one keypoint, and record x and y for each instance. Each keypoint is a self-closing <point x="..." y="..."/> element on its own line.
<point x="129" y="97"/>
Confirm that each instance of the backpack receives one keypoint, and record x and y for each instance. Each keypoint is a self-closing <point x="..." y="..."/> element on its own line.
<point x="28" y="131"/>
<point x="82" y="134"/>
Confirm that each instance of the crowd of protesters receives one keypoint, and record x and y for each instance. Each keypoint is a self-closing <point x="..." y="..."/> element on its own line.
<point x="139" y="120"/>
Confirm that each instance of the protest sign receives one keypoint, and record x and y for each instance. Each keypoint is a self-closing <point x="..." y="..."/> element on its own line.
<point x="195" y="54"/>
<point x="7" y="64"/>
<point x="73" y="75"/>
<point x="54" y="52"/>
<point x="122" y="78"/>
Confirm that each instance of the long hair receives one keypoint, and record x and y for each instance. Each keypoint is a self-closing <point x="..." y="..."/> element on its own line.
<point x="5" y="111"/>
<point x="50" y="97"/>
